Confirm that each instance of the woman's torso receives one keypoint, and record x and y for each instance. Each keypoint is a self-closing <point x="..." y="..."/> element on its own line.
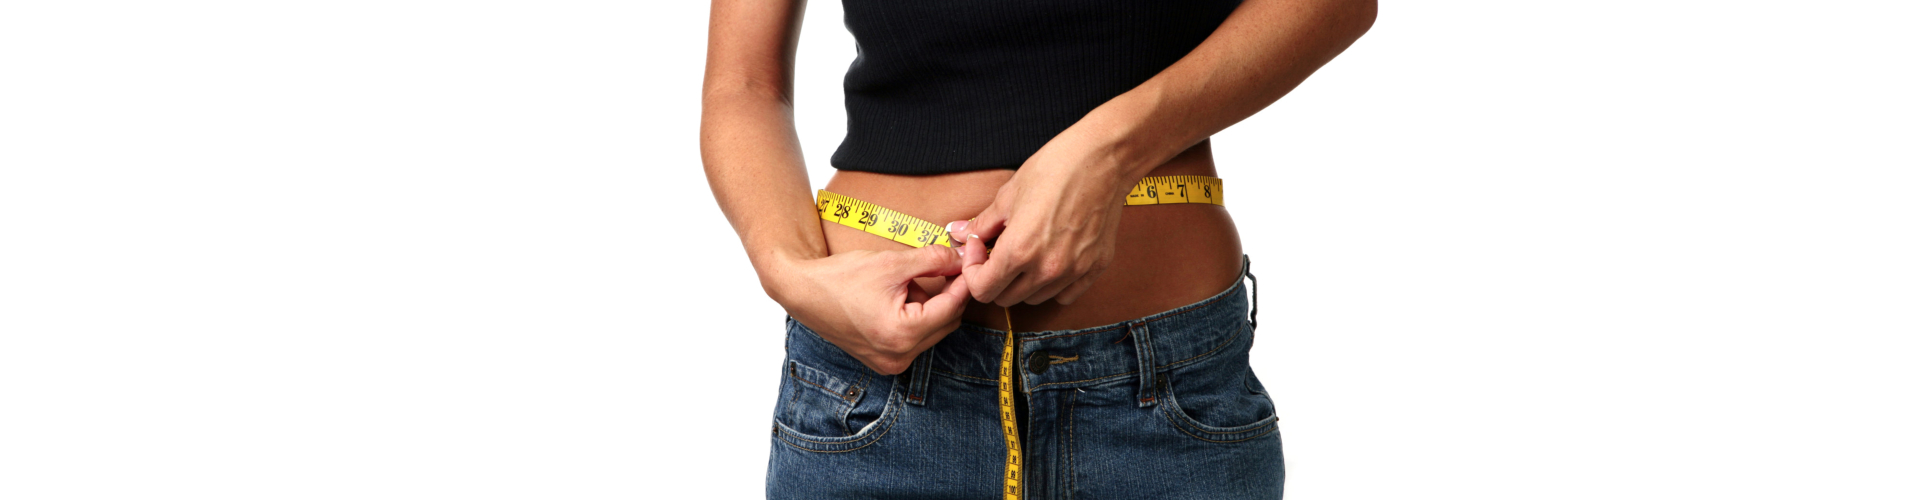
<point x="1165" y="256"/>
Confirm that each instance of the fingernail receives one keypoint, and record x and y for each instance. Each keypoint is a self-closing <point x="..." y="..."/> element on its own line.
<point x="956" y="226"/>
<point x="961" y="249"/>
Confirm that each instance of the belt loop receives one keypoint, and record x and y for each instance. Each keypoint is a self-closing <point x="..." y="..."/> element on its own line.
<point x="1143" y="346"/>
<point x="1253" y="316"/>
<point x="917" y="384"/>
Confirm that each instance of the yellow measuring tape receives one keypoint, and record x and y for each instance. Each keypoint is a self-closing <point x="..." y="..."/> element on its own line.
<point x="1007" y="417"/>
<point x="913" y="231"/>
<point x="1173" y="189"/>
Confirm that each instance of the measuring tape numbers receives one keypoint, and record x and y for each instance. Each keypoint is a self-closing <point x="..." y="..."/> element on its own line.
<point x="881" y="222"/>
<point x="1007" y="416"/>
<point x="912" y="231"/>
<point x="1175" y="189"/>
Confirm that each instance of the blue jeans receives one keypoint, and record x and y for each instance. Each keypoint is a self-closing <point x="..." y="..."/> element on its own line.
<point x="1200" y="426"/>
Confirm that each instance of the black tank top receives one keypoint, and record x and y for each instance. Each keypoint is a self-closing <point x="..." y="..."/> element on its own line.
<point x="958" y="85"/>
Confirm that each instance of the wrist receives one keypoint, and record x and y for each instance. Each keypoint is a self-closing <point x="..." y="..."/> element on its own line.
<point x="1127" y="140"/>
<point x="779" y="273"/>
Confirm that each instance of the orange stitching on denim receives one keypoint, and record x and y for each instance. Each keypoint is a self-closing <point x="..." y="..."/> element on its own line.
<point x="1072" y="399"/>
<point x="1236" y="336"/>
<point x="853" y="391"/>
<point x="869" y="440"/>
<point x="1215" y="349"/>
<point x="1127" y="374"/>
<point x="794" y="399"/>
<point x="889" y="427"/>
<point x="936" y="370"/>
<point x="997" y="333"/>
<point x="1209" y="352"/>
<point x="1193" y="307"/>
<point x="1150" y="372"/>
<point x="1051" y="337"/>
<point x="792" y="371"/>
<point x="1270" y="429"/>
<point x="1168" y="411"/>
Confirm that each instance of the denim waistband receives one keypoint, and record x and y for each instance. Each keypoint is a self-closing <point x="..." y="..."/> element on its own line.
<point x="1062" y="359"/>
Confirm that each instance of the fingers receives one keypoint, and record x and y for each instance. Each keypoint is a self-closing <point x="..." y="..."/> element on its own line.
<point x="1032" y="283"/>
<point x="972" y="261"/>
<point x="927" y="261"/>
<point x="957" y="231"/>
<point x="988" y="279"/>
<point x="937" y="315"/>
<point x="976" y="252"/>
<point x="1017" y="290"/>
<point x="1047" y="292"/>
<point x="1038" y="284"/>
<point x="945" y="307"/>
<point x="1073" y="292"/>
<point x="1067" y="288"/>
<point x="986" y="226"/>
<point x="992" y="273"/>
<point x="914" y="326"/>
<point x="988" y="276"/>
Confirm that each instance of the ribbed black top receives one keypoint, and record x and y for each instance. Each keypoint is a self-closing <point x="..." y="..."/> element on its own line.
<point x="957" y="85"/>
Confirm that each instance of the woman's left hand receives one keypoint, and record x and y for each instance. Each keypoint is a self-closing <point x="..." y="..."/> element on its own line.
<point x="1055" y="221"/>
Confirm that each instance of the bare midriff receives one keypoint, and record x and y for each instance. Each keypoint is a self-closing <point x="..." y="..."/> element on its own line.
<point x="1166" y="256"/>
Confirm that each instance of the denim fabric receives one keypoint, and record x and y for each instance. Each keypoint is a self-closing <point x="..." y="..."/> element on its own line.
<point x="1201" y="426"/>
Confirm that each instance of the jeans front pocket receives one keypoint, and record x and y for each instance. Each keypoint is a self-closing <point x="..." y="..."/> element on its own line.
<point x="828" y="400"/>
<point x="1218" y="400"/>
<point x="817" y="403"/>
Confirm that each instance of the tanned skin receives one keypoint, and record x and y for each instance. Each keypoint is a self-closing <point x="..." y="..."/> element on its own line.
<point x="1063" y="245"/>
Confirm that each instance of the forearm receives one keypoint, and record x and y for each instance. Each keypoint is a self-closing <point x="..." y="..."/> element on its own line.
<point x="865" y="302"/>
<point x="754" y="167"/>
<point x="1262" y="51"/>
<point x="753" y="164"/>
<point x="747" y="140"/>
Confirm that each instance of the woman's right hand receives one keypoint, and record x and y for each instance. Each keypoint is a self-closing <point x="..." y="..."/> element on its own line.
<point x="867" y="303"/>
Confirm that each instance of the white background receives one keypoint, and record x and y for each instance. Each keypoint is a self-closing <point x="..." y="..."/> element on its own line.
<point x="435" y="249"/>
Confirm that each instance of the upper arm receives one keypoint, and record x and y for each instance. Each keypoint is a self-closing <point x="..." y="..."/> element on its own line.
<point x="750" y="47"/>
